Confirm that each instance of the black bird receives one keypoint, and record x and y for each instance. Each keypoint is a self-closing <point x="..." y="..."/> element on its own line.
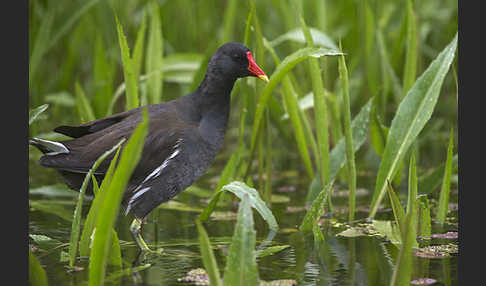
<point x="184" y="136"/>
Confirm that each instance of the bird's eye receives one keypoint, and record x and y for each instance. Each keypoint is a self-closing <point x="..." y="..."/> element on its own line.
<point x="237" y="57"/>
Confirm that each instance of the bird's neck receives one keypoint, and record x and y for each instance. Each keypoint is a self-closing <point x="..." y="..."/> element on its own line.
<point x="215" y="90"/>
<point x="211" y="101"/>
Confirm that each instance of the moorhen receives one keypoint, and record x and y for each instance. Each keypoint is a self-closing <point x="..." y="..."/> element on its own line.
<point x="184" y="136"/>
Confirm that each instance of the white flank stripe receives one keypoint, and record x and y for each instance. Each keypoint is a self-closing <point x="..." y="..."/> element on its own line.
<point x="155" y="173"/>
<point x="134" y="197"/>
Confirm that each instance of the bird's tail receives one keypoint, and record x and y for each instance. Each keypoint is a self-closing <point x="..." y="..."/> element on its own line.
<point x="49" y="147"/>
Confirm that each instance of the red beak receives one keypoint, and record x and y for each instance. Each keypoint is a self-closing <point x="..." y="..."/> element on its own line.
<point x="254" y="69"/>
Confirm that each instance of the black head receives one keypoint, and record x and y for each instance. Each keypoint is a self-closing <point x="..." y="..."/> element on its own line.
<point x="235" y="60"/>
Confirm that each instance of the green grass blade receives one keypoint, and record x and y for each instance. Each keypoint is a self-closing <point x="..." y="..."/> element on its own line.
<point x="204" y="216"/>
<point x="153" y="60"/>
<point x="369" y="53"/>
<point x="65" y="28"/>
<point x="107" y="215"/>
<point x="404" y="265"/>
<point x="90" y="221"/>
<point x="287" y="64"/>
<point x="114" y="256"/>
<point x="229" y="20"/>
<point x="413" y="113"/>
<point x="83" y="105"/>
<point x="249" y="20"/>
<point x="229" y="170"/>
<point x="431" y="181"/>
<point x="337" y="156"/>
<point x="41" y="44"/>
<point x="424" y="228"/>
<point x="388" y="72"/>
<point x="209" y="261"/>
<point x="410" y="68"/>
<point x="397" y="51"/>
<point x="446" y="183"/>
<point x="96" y="187"/>
<point x="348" y="136"/>
<point x="76" y="225"/>
<point x="267" y="193"/>
<point x="34" y="113"/>
<point x="259" y="85"/>
<point x="128" y="70"/>
<point x="412" y="199"/>
<point x="103" y="75"/>
<point x="37" y="274"/>
<point x="403" y="269"/>
<point x="290" y="101"/>
<point x="139" y="48"/>
<point x="316" y="210"/>
<point x="320" y="108"/>
<point x="241" y="267"/>
<point x="316" y="231"/>
<point x="359" y="131"/>
<point x="300" y="121"/>
<point x="398" y="211"/>
<point x="334" y="102"/>
<point x="378" y="131"/>
<point x="412" y="182"/>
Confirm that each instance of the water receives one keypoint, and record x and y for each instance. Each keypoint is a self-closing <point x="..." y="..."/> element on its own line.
<point x="336" y="261"/>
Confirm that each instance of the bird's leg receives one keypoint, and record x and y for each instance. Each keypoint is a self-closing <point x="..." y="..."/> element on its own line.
<point x="135" y="229"/>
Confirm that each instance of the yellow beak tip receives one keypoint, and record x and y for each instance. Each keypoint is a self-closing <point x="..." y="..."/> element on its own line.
<point x="263" y="77"/>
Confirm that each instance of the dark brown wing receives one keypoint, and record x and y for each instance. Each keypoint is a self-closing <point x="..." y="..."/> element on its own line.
<point x="94" y="126"/>
<point x="85" y="150"/>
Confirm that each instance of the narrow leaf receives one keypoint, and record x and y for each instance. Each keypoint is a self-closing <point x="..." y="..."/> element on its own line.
<point x="403" y="267"/>
<point x="241" y="266"/>
<point x="96" y="205"/>
<point x="287" y="64"/>
<point x="431" y="181"/>
<point x="41" y="44"/>
<point x="348" y="136"/>
<point x="103" y="75"/>
<point x="107" y="215"/>
<point x="398" y="210"/>
<point x="410" y="68"/>
<point x="337" y="157"/>
<point x="320" y="108"/>
<point x="413" y="113"/>
<point x="128" y="70"/>
<point x="446" y="183"/>
<point x="37" y="274"/>
<point x="76" y="225"/>
<point x="424" y="228"/>
<point x="153" y="60"/>
<point x="207" y="254"/>
<point x="83" y="106"/>
<point x="316" y="210"/>
<point x="114" y="257"/>
<point x="229" y="20"/>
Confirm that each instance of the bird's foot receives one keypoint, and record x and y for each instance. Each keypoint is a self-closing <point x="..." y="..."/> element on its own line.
<point x="158" y="251"/>
<point x="135" y="229"/>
